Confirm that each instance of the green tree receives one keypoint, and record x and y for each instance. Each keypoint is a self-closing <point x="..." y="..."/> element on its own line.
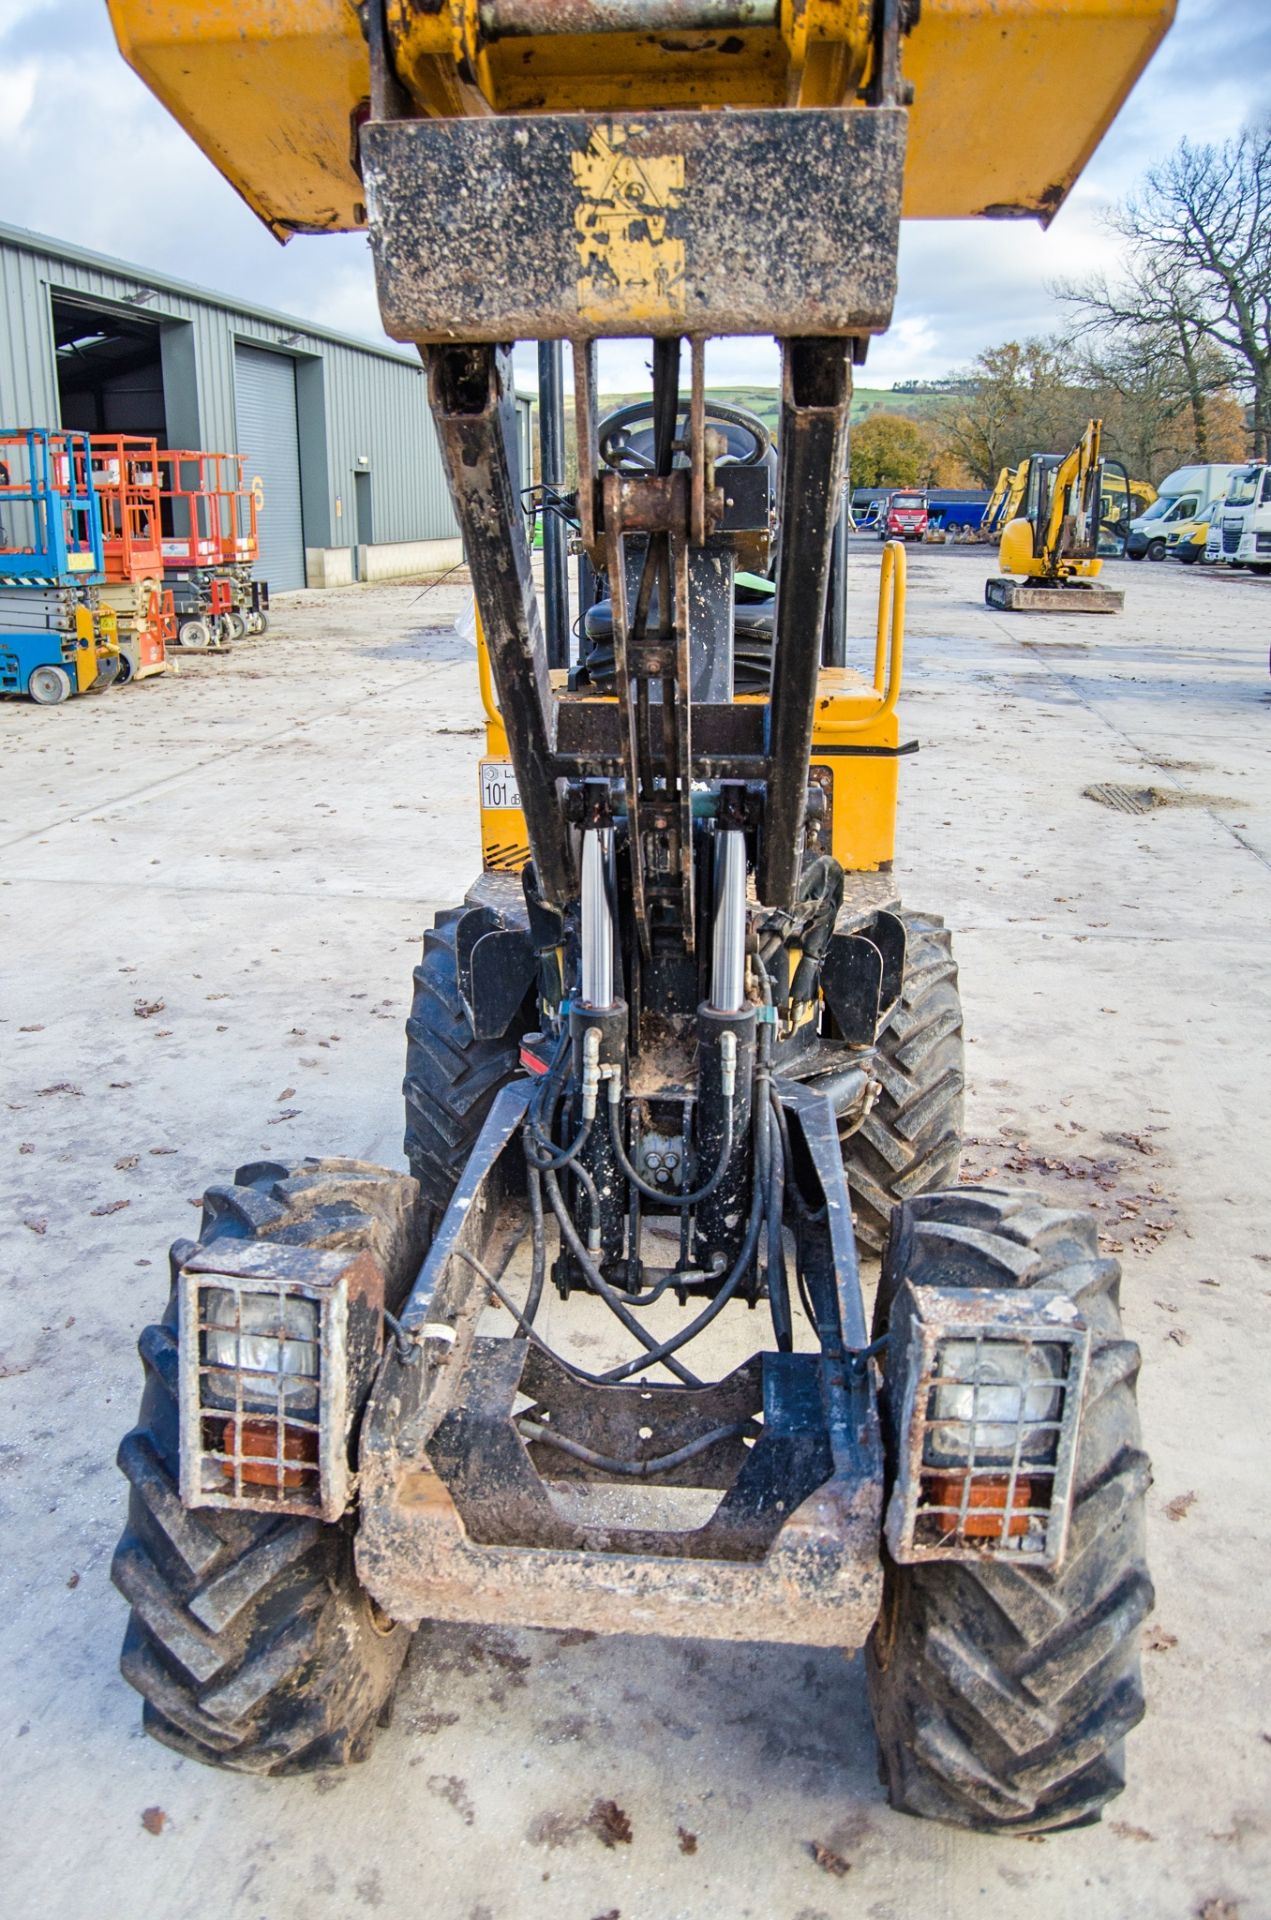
<point x="888" y="450"/>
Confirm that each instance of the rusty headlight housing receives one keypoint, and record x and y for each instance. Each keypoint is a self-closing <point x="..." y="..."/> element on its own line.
<point x="278" y="1348"/>
<point x="986" y="1391"/>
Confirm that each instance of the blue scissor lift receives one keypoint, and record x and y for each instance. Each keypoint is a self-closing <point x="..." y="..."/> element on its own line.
<point x="55" y="639"/>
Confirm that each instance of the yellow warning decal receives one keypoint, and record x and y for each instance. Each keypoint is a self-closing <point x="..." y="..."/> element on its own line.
<point x="630" y="256"/>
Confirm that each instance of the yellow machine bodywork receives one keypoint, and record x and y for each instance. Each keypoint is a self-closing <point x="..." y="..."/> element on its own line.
<point x="95" y="643"/>
<point x="1011" y="97"/>
<point x="855" y="748"/>
<point x="1047" y="553"/>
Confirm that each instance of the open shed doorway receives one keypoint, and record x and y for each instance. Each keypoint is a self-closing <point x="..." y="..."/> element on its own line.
<point x="109" y="371"/>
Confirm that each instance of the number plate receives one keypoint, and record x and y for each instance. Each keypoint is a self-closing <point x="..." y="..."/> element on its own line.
<point x="498" y="784"/>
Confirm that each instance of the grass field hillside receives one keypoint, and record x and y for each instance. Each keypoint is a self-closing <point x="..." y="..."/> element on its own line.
<point x="766" y="402"/>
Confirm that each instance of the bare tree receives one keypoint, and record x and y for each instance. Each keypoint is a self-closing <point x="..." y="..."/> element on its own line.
<point x="1197" y="279"/>
<point x="1019" y="398"/>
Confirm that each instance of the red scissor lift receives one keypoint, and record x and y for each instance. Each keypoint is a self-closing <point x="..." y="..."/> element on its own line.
<point x="125" y="473"/>
<point x="209" y="545"/>
<point x="193" y="571"/>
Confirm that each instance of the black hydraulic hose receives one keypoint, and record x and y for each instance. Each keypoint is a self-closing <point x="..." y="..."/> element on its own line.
<point x="523" y="1326"/>
<point x="778" y="1284"/>
<point x="538" y="1242"/>
<point x="633" y="1469"/>
<point x="667" y="1348"/>
<point x="552" y="1162"/>
<point x="659" y="1193"/>
<point x="597" y="1282"/>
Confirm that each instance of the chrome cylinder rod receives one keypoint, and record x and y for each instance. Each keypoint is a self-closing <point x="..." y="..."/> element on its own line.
<point x="728" y="950"/>
<point x="597" y="917"/>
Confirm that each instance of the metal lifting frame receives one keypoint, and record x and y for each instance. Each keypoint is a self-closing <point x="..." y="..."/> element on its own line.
<point x="674" y="509"/>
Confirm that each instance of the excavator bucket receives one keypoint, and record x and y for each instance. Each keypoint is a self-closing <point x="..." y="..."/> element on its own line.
<point x="1010" y="97"/>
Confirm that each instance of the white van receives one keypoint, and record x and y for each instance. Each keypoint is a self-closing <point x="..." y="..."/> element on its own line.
<point x="1182" y="497"/>
<point x="1246" y="519"/>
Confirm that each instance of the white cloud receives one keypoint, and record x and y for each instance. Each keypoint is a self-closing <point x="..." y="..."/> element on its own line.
<point x="92" y="158"/>
<point x="17" y="96"/>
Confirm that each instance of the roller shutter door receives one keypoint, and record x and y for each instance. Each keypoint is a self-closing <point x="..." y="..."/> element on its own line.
<point x="268" y="439"/>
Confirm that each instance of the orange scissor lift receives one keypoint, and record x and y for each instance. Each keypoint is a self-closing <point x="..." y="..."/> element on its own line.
<point x="191" y="511"/>
<point x="125" y="473"/>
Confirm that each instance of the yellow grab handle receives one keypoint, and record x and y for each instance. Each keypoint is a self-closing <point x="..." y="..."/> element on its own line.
<point x="485" y="679"/>
<point x="889" y="644"/>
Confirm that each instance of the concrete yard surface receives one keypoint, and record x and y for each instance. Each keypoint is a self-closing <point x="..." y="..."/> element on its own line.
<point x="212" y="891"/>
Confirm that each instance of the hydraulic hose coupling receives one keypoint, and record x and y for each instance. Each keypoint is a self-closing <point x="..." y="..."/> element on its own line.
<point x="728" y="1063"/>
<point x="591" y="1071"/>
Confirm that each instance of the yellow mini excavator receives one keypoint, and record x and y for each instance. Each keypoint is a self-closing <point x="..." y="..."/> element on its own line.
<point x="1054" y="540"/>
<point x="681" y="1053"/>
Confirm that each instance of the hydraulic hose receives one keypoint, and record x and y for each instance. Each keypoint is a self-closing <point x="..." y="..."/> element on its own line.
<point x="658" y="1193"/>
<point x="599" y="1285"/>
<point x="668" y="1348"/>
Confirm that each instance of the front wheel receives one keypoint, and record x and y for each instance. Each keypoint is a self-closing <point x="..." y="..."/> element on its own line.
<point x="195" y="634"/>
<point x="451" y="1075"/>
<point x="49" y="686"/>
<point x="250" y="1639"/>
<point x="1156" y="550"/>
<point x="1002" y="1694"/>
<point x="911" y="1141"/>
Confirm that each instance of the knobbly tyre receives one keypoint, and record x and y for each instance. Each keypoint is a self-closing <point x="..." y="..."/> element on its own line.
<point x="681" y="1048"/>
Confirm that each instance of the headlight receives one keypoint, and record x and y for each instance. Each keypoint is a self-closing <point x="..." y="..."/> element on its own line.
<point x="985" y="1391"/>
<point x="996" y="1394"/>
<point x="269" y="1341"/>
<point x="278" y="1347"/>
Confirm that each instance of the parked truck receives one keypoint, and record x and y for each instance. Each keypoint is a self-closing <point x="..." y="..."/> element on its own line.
<point x="1246" y="518"/>
<point x="1183" y="497"/>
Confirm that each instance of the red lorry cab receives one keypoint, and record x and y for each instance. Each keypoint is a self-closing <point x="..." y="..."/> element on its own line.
<point x="904" y="517"/>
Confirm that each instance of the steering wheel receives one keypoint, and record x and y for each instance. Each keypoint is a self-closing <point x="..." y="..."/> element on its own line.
<point x="626" y="437"/>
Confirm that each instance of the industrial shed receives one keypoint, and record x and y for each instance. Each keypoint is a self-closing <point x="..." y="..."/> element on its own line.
<point x="337" y="430"/>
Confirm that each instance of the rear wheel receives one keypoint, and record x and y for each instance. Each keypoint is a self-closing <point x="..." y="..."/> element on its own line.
<point x="451" y="1076"/>
<point x="49" y="686"/>
<point x="911" y="1141"/>
<point x="250" y="1640"/>
<point x="195" y="634"/>
<point x="233" y="627"/>
<point x="1001" y="1694"/>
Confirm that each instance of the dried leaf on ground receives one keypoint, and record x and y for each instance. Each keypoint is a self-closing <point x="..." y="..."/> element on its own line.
<point x="1157" y="1640"/>
<point x="829" y="1861"/>
<point x="288" y="1093"/>
<point x="146" y="1009"/>
<point x="687" y="1840"/>
<point x="609" y="1824"/>
<point x="288" y="1113"/>
<point x="1218" y="1909"/>
<point x="1179" y="1506"/>
<point x="26" y="1146"/>
<point x="63" y="1086"/>
<point x="129" y="1161"/>
<point x="109" y="1206"/>
<point x="37" y="1226"/>
<point x="154" y="1819"/>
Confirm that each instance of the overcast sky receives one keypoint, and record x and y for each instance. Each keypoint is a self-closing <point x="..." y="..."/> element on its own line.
<point x="88" y="156"/>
